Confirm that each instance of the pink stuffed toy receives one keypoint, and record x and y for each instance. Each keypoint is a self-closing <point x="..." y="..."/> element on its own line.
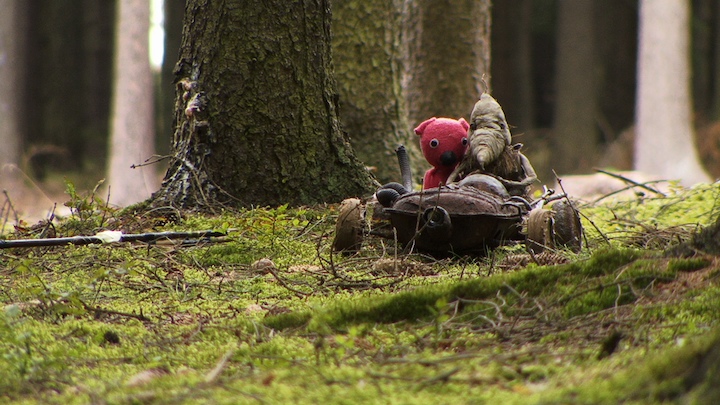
<point x="443" y="142"/>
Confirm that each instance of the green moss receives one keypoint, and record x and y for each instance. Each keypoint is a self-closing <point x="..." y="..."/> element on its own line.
<point x="80" y="323"/>
<point x="691" y="264"/>
<point x="288" y="320"/>
<point x="421" y="303"/>
<point x="681" y="374"/>
<point x="606" y="260"/>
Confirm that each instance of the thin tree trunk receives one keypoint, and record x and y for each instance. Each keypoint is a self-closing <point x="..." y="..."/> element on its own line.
<point x="132" y="133"/>
<point x="256" y="109"/>
<point x="616" y="65"/>
<point x="11" y="73"/>
<point x="664" y="142"/>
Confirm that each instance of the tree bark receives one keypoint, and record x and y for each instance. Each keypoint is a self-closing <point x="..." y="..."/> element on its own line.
<point x="664" y="143"/>
<point x="448" y="53"/>
<point x="367" y="55"/>
<point x="133" y="128"/>
<point x="256" y="109"/>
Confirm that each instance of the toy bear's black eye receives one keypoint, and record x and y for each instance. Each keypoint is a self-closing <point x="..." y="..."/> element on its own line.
<point x="434" y="143"/>
<point x="464" y="141"/>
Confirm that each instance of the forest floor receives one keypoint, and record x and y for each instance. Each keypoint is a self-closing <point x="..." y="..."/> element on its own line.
<point x="269" y="314"/>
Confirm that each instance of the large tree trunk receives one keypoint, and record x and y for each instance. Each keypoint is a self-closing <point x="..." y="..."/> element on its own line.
<point x="448" y="53"/>
<point x="664" y="145"/>
<point x="133" y="129"/>
<point x="256" y="109"/>
<point x="368" y="63"/>
<point x="575" y="130"/>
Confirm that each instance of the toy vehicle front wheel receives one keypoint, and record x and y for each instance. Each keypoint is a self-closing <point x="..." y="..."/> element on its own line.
<point x="554" y="228"/>
<point x="349" y="226"/>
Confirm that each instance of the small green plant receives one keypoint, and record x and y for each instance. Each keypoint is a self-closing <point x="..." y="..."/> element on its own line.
<point x="88" y="213"/>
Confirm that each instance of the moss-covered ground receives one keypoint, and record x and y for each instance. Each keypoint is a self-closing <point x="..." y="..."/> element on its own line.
<point x="269" y="314"/>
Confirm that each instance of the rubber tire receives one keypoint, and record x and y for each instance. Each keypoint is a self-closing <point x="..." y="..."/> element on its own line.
<point x="539" y="230"/>
<point x="349" y="226"/>
<point x="567" y="228"/>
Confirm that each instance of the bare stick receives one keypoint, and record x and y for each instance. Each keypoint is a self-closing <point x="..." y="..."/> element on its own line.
<point x="631" y="181"/>
<point x="98" y="310"/>
<point x="623" y="189"/>
<point x="10" y="206"/>
<point x="271" y="270"/>
<point x="89" y="240"/>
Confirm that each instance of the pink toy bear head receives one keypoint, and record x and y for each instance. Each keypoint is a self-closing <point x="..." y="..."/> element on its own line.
<point x="443" y="142"/>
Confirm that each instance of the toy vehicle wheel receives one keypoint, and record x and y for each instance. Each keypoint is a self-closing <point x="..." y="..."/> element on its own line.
<point x="557" y="227"/>
<point x="539" y="230"/>
<point x="567" y="226"/>
<point x="349" y="226"/>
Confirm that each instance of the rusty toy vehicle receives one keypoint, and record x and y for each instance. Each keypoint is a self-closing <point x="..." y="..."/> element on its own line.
<point x="471" y="216"/>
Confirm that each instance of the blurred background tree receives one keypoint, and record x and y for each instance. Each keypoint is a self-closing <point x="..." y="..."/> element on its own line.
<point x="664" y="142"/>
<point x="11" y="76"/>
<point x="67" y="87"/>
<point x="132" y="129"/>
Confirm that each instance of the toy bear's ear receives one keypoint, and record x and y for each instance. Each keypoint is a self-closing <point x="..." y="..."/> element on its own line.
<point x="464" y="123"/>
<point x="421" y="128"/>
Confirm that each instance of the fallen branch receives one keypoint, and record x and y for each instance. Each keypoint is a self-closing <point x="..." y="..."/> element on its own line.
<point x="98" y="310"/>
<point x="272" y="270"/>
<point x="631" y="181"/>
<point x="108" y="237"/>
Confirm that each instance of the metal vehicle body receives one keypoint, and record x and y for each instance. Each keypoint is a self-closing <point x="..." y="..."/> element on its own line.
<point x="468" y="217"/>
<point x="480" y="212"/>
